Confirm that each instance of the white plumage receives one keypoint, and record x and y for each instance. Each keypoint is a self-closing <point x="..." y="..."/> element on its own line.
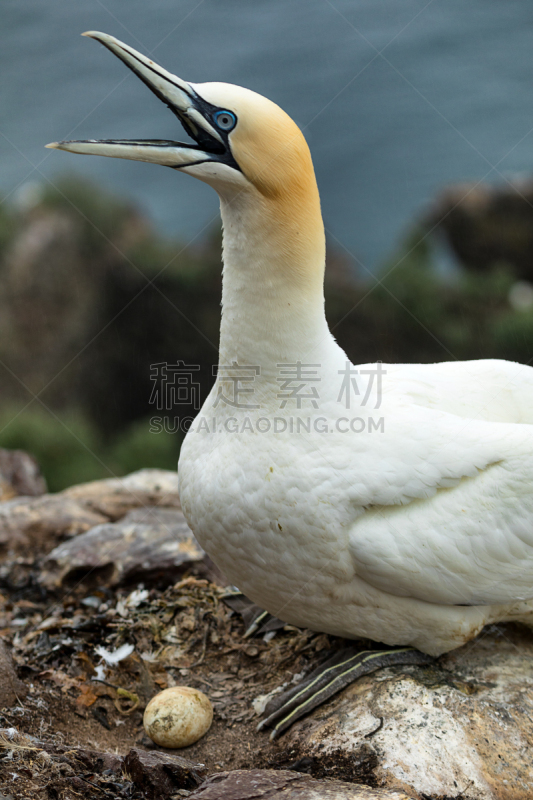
<point x="414" y="529"/>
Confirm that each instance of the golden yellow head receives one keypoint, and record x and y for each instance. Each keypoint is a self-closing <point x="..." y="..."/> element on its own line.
<point x="266" y="144"/>
<point x="239" y="136"/>
<point x="243" y="145"/>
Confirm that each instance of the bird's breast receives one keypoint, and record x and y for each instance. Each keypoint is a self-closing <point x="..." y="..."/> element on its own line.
<point x="268" y="516"/>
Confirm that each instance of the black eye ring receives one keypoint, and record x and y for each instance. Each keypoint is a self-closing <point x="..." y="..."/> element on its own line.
<point x="225" y="120"/>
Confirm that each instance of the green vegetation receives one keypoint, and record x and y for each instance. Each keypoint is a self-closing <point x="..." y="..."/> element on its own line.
<point x="85" y="314"/>
<point x="70" y="450"/>
<point x="415" y="314"/>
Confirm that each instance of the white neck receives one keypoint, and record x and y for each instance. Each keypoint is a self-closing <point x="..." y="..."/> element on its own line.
<point x="272" y="297"/>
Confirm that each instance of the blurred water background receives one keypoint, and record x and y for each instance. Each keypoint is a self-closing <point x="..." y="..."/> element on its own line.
<point x="109" y="267"/>
<point x="396" y="98"/>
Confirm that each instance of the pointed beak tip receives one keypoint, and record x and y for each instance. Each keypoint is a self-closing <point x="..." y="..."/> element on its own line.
<point x="95" y="35"/>
<point x="53" y="146"/>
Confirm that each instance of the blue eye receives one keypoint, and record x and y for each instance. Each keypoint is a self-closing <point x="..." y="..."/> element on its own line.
<point x="225" y="120"/>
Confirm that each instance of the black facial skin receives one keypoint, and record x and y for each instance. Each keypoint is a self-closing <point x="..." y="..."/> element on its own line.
<point x="203" y="140"/>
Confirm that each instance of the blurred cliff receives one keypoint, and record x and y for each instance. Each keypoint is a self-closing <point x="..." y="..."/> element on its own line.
<point x="91" y="297"/>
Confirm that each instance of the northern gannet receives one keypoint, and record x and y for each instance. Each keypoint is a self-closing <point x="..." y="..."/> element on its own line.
<point x="392" y="502"/>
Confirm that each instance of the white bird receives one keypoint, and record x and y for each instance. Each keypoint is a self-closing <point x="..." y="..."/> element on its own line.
<point x="401" y="512"/>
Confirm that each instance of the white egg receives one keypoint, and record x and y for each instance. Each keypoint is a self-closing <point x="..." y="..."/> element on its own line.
<point x="178" y="717"/>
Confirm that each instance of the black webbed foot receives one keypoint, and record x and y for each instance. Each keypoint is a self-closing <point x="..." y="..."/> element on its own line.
<point x="329" y="678"/>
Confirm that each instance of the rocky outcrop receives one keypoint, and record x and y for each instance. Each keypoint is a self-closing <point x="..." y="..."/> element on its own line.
<point x="148" y="544"/>
<point x="40" y="523"/>
<point x="19" y="475"/>
<point x="114" y="497"/>
<point x="12" y="690"/>
<point x="253" y="784"/>
<point x="159" y="775"/>
<point x="80" y="269"/>
<point x="36" y="524"/>
<point x="461" y="729"/>
<point x="488" y="225"/>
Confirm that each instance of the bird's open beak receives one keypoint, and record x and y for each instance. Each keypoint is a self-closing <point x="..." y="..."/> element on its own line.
<point x="192" y="111"/>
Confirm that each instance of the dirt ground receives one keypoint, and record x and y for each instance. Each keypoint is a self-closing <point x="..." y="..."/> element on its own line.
<point x="183" y="634"/>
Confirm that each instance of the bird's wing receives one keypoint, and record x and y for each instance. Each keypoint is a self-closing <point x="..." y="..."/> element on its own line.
<point x="448" y="507"/>
<point x="487" y="389"/>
